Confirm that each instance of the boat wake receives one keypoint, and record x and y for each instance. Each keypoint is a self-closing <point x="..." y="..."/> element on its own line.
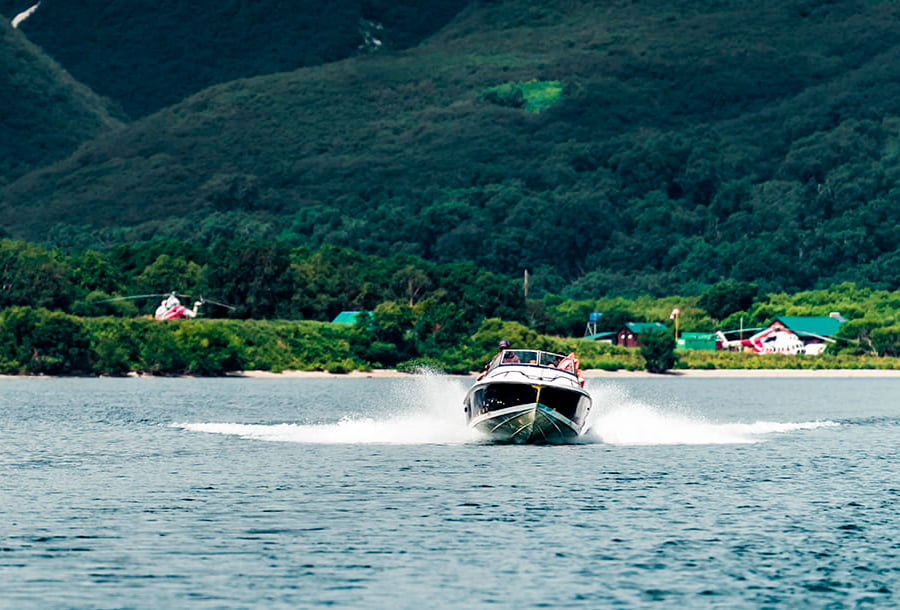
<point x="427" y="409"/>
<point x="410" y="430"/>
<point x="619" y="419"/>
<point x="424" y="409"/>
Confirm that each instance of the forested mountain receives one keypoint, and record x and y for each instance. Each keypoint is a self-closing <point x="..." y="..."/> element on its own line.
<point x="147" y="54"/>
<point x="44" y="113"/>
<point x="610" y="148"/>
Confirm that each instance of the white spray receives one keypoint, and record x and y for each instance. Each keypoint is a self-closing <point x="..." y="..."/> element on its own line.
<point x="619" y="419"/>
<point x="427" y="408"/>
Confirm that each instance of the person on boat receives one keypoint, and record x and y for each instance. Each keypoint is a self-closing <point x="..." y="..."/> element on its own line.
<point x="508" y="356"/>
<point x="570" y="363"/>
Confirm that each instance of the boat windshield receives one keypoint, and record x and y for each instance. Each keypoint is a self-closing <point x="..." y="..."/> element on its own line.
<point x="528" y="356"/>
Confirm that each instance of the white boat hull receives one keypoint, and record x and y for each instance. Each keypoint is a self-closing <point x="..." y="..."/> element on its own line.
<point x="529" y="423"/>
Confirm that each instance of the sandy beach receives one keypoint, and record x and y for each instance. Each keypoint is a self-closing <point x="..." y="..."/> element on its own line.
<point x="594" y="373"/>
<point x="588" y="374"/>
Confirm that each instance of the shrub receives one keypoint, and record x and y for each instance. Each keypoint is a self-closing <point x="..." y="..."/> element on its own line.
<point x="208" y="348"/>
<point x="158" y="353"/>
<point x="37" y="341"/>
<point x="115" y="345"/>
<point x="607" y="365"/>
<point x="658" y="351"/>
<point x="341" y="368"/>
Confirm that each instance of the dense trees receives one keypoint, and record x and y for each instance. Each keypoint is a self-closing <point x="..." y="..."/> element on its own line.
<point x="41" y="341"/>
<point x="762" y="148"/>
<point x="255" y="277"/>
<point x="726" y="298"/>
<point x="37" y="341"/>
<point x="416" y="312"/>
<point x="30" y="275"/>
<point x="255" y="280"/>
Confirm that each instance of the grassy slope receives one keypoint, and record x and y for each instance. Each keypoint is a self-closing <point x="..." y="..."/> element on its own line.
<point x="350" y="152"/>
<point x="45" y="113"/>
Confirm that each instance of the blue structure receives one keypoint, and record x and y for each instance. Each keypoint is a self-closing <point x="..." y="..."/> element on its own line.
<point x="591" y="328"/>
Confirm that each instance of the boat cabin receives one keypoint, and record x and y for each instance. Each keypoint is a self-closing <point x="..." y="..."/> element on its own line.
<point x="527" y="356"/>
<point x="533" y="357"/>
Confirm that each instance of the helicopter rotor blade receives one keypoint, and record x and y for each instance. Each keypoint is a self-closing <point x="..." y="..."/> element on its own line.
<point x="205" y="300"/>
<point x="163" y="294"/>
<point x="130" y="298"/>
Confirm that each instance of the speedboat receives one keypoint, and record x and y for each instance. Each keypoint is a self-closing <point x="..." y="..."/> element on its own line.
<point x="529" y="396"/>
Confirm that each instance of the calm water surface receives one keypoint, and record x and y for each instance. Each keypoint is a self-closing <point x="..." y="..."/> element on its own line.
<point x="372" y="493"/>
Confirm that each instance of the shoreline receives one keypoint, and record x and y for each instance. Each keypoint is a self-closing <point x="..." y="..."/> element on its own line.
<point x="600" y="373"/>
<point x="587" y="374"/>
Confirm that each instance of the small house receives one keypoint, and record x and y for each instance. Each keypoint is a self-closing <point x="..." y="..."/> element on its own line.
<point x="795" y="335"/>
<point x="629" y="335"/>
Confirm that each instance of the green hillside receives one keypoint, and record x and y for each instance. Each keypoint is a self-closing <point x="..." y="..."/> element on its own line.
<point x="147" y="54"/>
<point x="44" y="113"/>
<point x="624" y="147"/>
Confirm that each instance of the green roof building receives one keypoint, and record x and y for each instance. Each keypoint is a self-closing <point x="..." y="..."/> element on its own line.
<point x="698" y="341"/>
<point x="348" y="317"/>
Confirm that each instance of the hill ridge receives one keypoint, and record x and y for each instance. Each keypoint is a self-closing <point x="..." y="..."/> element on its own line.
<point x="761" y="150"/>
<point x="47" y="114"/>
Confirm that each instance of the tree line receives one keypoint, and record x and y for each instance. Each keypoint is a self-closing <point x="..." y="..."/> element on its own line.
<point x="259" y="280"/>
<point x="75" y="312"/>
<point x="37" y="341"/>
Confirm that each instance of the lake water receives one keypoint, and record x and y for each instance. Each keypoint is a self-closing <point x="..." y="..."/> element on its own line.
<point x="155" y="493"/>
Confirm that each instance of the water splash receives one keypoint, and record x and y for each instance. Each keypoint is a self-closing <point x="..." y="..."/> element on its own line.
<point x="427" y="408"/>
<point x="619" y="419"/>
<point x="422" y="409"/>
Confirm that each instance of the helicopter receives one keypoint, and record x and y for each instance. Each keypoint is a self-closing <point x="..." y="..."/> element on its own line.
<point x="170" y="308"/>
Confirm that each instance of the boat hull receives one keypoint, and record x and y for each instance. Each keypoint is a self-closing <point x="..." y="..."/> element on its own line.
<point x="532" y="411"/>
<point x="531" y="423"/>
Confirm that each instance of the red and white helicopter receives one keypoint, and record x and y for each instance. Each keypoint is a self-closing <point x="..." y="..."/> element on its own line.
<point x="170" y="308"/>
